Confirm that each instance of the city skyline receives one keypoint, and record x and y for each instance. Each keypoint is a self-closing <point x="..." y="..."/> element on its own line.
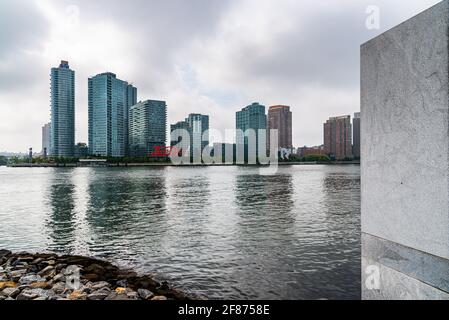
<point x="203" y="67"/>
<point x="121" y="127"/>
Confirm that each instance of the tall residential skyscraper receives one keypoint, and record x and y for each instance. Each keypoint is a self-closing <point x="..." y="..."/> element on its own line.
<point x="131" y="100"/>
<point x="147" y="127"/>
<point x="182" y="145"/>
<point x="109" y="102"/>
<point x="62" y="111"/>
<point x="46" y="139"/>
<point x="356" y="135"/>
<point x="280" y="118"/>
<point x="338" y="138"/>
<point x="251" y="117"/>
<point x="196" y="125"/>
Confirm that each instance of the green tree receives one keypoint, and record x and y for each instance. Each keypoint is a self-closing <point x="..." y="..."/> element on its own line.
<point x="3" y="161"/>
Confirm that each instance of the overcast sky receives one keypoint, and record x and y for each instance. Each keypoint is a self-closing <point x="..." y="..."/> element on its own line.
<point x="203" y="56"/>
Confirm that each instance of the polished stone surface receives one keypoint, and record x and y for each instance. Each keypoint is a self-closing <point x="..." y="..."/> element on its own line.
<point x="424" y="267"/>
<point x="395" y="285"/>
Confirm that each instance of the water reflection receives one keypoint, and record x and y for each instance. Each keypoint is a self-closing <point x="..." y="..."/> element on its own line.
<point x="342" y="225"/>
<point x="266" y="207"/>
<point x="225" y="232"/>
<point x="122" y="208"/>
<point x="189" y="202"/>
<point x="61" y="222"/>
<point x="265" y="192"/>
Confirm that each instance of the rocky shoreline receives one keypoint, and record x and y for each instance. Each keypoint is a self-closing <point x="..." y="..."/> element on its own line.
<point x="27" y="276"/>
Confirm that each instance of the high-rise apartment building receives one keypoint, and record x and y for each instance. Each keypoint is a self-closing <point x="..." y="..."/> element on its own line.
<point x="251" y="117"/>
<point x="338" y="138"/>
<point x="46" y="139"/>
<point x="356" y="135"/>
<point x="183" y="146"/>
<point x="109" y="102"/>
<point x="199" y="137"/>
<point x="62" y="111"/>
<point x="197" y="125"/>
<point x="147" y="127"/>
<point x="131" y="100"/>
<point x="280" y="118"/>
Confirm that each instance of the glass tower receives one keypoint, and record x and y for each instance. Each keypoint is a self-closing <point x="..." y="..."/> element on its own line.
<point x="251" y="117"/>
<point x="62" y="111"/>
<point x="196" y="125"/>
<point x="109" y="102"/>
<point x="183" y="146"/>
<point x="147" y="127"/>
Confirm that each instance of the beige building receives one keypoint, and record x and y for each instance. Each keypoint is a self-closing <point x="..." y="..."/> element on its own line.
<point x="280" y="118"/>
<point x="338" y="138"/>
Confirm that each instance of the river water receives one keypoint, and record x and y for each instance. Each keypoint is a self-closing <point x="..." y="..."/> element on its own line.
<point x="222" y="232"/>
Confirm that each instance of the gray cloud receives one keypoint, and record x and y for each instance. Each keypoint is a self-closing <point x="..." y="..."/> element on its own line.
<point x="22" y="30"/>
<point x="21" y="27"/>
<point x="209" y="56"/>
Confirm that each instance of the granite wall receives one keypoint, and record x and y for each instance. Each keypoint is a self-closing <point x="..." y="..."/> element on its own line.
<point x="405" y="158"/>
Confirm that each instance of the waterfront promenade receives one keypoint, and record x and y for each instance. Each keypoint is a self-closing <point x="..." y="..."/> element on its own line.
<point x="165" y="164"/>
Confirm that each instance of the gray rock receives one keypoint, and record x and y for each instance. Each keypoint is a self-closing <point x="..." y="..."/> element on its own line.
<point x="10" y="261"/>
<point x="31" y="279"/>
<point x="71" y="270"/>
<point x="4" y="253"/>
<point x="86" y="289"/>
<point x="100" y="285"/>
<point x="37" y="261"/>
<point x="45" y="271"/>
<point x="59" y="287"/>
<point x="25" y="259"/>
<point x="145" y="294"/>
<point x="59" y="277"/>
<point x="30" y="294"/>
<point x="133" y="295"/>
<point x="60" y="266"/>
<point x="105" y="290"/>
<point x="98" y="295"/>
<point x="27" y="294"/>
<point x="21" y="264"/>
<point x="17" y="274"/>
<point x="23" y="287"/>
<point x="11" y="292"/>
<point x="122" y="283"/>
<point x="117" y="297"/>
